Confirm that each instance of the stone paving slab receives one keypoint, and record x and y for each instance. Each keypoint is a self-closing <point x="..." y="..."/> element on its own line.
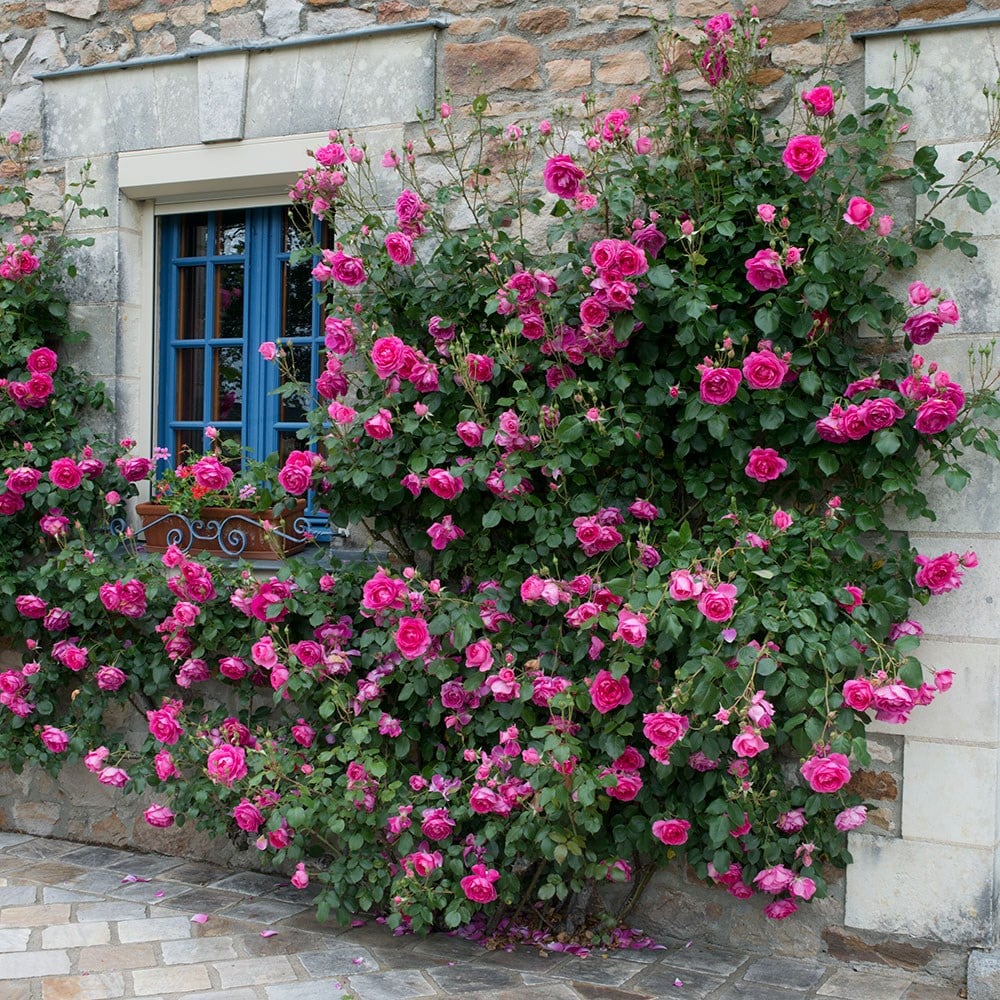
<point x="70" y="930"/>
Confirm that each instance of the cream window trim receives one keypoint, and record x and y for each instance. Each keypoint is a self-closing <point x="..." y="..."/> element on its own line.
<point x="252" y="170"/>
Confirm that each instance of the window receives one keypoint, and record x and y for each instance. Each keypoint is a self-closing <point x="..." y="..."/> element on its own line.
<point x="227" y="286"/>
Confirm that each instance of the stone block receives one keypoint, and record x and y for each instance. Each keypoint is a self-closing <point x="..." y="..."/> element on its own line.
<point x="243" y="27"/>
<point x="76" y="935"/>
<point x="971" y="709"/>
<point x="950" y="793"/>
<point x="222" y="84"/>
<point x="623" y="68"/>
<point x="33" y="965"/>
<point x="971" y="611"/>
<point x="22" y="110"/>
<point x="983" y="981"/>
<point x="500" y="64"/>
<point x="944" y="108"/>
<point x="543" y="21"/>
<point x="254" y="971"/>
<point x="154" y="929"/>
<point x="83" y="10"/>
<point x="174" y="979"/>
<point x="281" y="17"/>
<point x="568" y="74"/>
<point x="919" y="889"/>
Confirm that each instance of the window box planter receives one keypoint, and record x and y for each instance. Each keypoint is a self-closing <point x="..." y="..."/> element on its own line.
<point x="222" y="531"/>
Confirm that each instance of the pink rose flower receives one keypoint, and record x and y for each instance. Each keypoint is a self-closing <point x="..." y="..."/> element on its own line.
<point x="379" y="426"/>
<point x="859" y="213"/>
<point x="764" y="369"/>
<point x="922" y="327"/>
<point x="479" y="885"/>
<point x="159" y="816"/>
<point x="749" y="744"/>
<point x="851" y="819"/>
<point x="858" y="693"/>
<point x="479" y="367"/>
<point x="718" y="604"/>
<point x="826" y="774"/>
<point x="671" y="832"/>
<point x="562" y="177"/>
<point x="631" y="628"/>
<point x="719" y="385"/>
<point x="248" y="817"/>
<point x="764" y="464"/>
<point x="820" y="101"/>
<point x="470" y="433"/>
<point x="607" y="693"/>
<point x="919" y="294"/>
<point x="664" y="729"/>
<point x="947" y="312"/>
<point x="163" y="726"/>
<point x="226" y="764"/>
<point x="65" y="474"/>
<point x="764" y="270"/>
<point x="780" y="909"/>
<point x="804" y="155"/>
<point x="935" y="415"/>
<point x="781" y="520"/>
<point x="42" y="361"/>
<point x="443" y="484"/>
<point x="114" y="777"/>
<point x="940" y="574"/>
<point x="412" y="637"/>
<point x="436" y="823"/>
<point x="301" y="877"/>
<point x="54" y="739"/>
<point x="210" y="474"/>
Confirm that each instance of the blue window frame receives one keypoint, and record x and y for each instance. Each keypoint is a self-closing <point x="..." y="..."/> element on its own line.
<point x="227" y="285"/>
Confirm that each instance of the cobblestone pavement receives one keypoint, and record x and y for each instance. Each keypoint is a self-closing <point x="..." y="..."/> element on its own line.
<point x="74" y="926"/>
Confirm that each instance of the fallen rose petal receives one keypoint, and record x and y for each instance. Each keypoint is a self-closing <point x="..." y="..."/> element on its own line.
<point x="678" y="982"/>
<point x="200" y="918"/>
<point x="132" y="879"/>
<point x="357" y="961"/>
<point x="268" y="933"/>
<point x="159" y="894"/>
<point x="357" y="923"/>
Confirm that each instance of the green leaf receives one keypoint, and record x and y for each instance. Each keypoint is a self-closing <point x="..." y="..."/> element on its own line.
<point x="979" y="201"/>
<point x="660" y="276"/>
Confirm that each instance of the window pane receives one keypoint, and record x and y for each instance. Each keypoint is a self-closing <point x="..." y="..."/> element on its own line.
<point x="297" y="286"/>
<point x="298" y="229"/>
<point x="191" y="304"/>
<point x="229" y="301"/>
<point x="194" y="235"/>
<point x="287" y="443"/>
<point x="227" y="403"/>
<point x="187" y="445"/>
<point x="230" y="235"/>
<point x="298" y="359"/>
<point x="190" y="384"/>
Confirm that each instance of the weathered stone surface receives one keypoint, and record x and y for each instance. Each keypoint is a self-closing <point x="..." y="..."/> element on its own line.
<point x="766" y="76"/>
<point x="872" y="19"/>
<point x="35" y="19"/>
<point x="932" y="10"/>
<point x="501" y="64"/>
<point x="220" y="6"/>
<point x="568" y="74"/>
<point x="281" y="17"/>
<point x="143" y="22"/>
<point x="814" y="54"/>
<point x="334" y="19"/>
<point x="873" y="785"/>
<point x="82" y="9"/>
<point x="158" y="43"/>
<point x="45" y="55"/>
<point x="465" y="26"/>
<point x="769" y="9"/>
<point x="106" y="45"/>
<point x="701" y="8"/>
<point x="240" y="27"/>
<point x="794" y="31"/>
<point x="601" y="12"/>
<point x="598" y="42"/>
<point x="848" y="947"/>
<point x="544" y="21"/>
<point x="189" y="14"/>
<point x="624" y="68"/>
<point x="400" y="12"/>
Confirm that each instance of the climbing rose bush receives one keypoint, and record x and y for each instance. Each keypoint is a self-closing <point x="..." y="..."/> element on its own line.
<point x="599" y="403"/>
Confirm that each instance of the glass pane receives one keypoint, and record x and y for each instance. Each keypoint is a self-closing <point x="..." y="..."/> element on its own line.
<point x="194" y="235"/>
<point x="187" y="445"/>
<point x="229" y="301"/>
<point x="298" y="359"/>
<point x="297" y="224"/>
<point x="287" y="443"/>
<point x="230" y="234"/>
<point x="191" y="303"/>
<point x="227" y="403"/>
<point x="190" y="384"/>
<point x="297" y="304"/>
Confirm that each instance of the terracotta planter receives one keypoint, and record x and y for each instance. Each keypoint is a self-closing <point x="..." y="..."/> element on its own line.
<point x="221" y="531"/>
